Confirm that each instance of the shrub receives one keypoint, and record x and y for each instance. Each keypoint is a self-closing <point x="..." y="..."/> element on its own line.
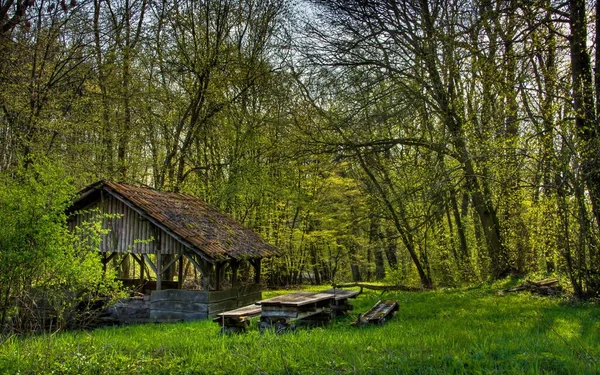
<point x="49" y="276"/>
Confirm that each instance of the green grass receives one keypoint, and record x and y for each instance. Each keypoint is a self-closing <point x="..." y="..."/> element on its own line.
<point x="448" y="331"/>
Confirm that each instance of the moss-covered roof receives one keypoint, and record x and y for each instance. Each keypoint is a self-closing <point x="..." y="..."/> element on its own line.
<point x="188" y="219"/>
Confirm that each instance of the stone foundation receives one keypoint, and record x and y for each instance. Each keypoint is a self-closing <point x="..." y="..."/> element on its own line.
<point x="128" y="311"/>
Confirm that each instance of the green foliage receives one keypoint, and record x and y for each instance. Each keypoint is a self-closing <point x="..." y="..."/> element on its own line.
<point x="441" y="147"/>
<point x="47" y="273"/>
<point x="326" y="233"/>
<point x="466" y="331"/>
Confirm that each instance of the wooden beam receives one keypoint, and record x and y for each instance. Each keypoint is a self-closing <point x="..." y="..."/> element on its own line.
<point x="125" y="257"/>
<point x="199" y="266"/>
<point x="109" y="258"/>
<point x="147" y="258"/>
<point x="195" y="264"/>
<point x="138" y="259"/>
<point x="175" y="259"/>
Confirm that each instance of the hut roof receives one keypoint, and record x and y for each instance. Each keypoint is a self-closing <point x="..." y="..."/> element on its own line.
<point x="187" y="218"/>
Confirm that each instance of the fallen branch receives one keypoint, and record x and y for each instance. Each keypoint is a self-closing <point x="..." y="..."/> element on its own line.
<point x="383" y="288"/>
<point x="544" y="287"/>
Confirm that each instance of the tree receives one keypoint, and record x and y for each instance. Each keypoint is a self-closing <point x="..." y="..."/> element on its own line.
<point x="207" y="56"/>
<point x="42" y="71"/>
<point x="484" y="79"/>
<point x="117" y="31"/>
<point x="411" y="45"/>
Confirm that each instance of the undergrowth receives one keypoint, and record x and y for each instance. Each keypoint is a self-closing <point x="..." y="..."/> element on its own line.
<point x="466" y="331"/>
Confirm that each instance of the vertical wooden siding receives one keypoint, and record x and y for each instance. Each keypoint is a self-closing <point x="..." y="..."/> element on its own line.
<point x="129" y="232"/>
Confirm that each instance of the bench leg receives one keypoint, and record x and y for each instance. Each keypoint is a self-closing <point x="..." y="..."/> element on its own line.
<point x="279" y="325"/>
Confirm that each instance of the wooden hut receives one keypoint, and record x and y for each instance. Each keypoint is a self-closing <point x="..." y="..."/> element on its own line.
<point x="164" y="231"/>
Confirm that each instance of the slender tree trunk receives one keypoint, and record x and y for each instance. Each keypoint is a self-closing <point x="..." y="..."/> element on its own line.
<point x="107" y="132"/>
<point x="586" y="122"/>
<point x="315" y="264"/>
<point x="125" y="133"/>
<point x="482" y="201"/>
<point x="565" y="245"/>
<point x="391" y="249"/>
<point x="457" y="259"/>
<point x="375" y="244"/>
<point x="460" y="230"/>
<point x="405" y="235"/>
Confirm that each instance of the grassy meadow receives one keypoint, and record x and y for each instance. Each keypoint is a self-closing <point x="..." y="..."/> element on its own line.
<point x="466" y="331"/>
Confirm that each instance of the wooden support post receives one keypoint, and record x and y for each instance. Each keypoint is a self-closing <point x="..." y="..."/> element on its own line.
<point x="235" y="264"/>
<point x="165" y="268"/>
<point x="150" y="263"/>
<point x="180" y="274"/>
<point x="256" y="264"/>
<point x="204" y="267"/>
<point x="219" y="275"/>
<point x="140" y="260"/>
<point x="206" y="281"/>
<point x="142" y="266"/>
<point x="158" y="271"/>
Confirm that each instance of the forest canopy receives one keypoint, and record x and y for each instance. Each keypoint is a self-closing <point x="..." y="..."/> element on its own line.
<point x="422" y="142"/>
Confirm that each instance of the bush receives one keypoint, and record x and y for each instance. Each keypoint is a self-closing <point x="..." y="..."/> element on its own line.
<point x="49" y="276"/>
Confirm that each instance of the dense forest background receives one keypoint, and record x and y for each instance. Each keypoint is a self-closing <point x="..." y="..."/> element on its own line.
<point x="424" y="142"/>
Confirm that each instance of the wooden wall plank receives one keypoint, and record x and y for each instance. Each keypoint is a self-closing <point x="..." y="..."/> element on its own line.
<point x="175" y="316"/>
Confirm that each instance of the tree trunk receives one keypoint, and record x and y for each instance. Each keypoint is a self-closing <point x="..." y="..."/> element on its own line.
<point x="315" y="264"/>
<point x="355" y="273"/>
<point x="375" y="245"/>
<point x="107" y="161"/>
<point x="481" y="199"/>
<point x="391" y="249"/>
<point x="405" y="235"/>
<point x="586" y="124"/>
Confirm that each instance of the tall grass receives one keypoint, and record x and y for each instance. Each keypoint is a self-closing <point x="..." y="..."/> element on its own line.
<point x="454" y="331"/>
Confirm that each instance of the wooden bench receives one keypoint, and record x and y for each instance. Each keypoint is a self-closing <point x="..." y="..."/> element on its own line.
<point x="237" y="320"/>
<point x="378" y="314"/>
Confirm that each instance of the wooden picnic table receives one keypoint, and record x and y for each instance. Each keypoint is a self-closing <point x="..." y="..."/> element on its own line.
<point x="341" y="294"/>
<point x="296" y="299"/>
<point x="282" y="311"/>
<point x="307" y="307"/>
